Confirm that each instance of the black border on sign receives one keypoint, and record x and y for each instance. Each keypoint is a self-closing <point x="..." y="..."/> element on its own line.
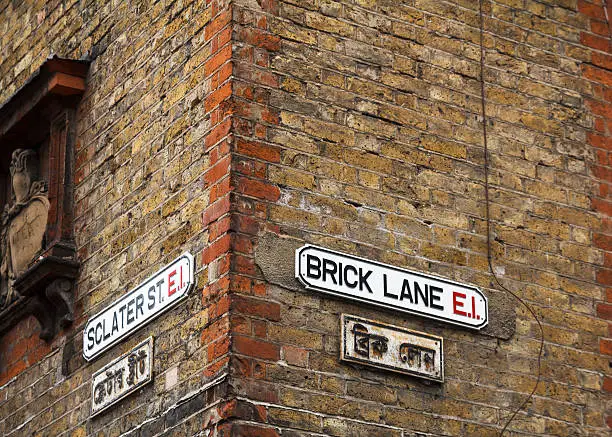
<point x="350" y="359"/>
<point x="126" y="334"/>
<point x="298" y="276"/>
<point x="131" y="390"/>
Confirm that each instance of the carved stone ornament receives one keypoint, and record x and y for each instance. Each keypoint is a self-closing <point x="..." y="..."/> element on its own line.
<point x="23" y="222"/>
<point x="38" y="255"/>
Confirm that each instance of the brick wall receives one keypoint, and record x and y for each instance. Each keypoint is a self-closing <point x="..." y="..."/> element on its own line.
<point x="209" y="126"/>
<point x="152" y="181"/>
<point x="358" y="128"/>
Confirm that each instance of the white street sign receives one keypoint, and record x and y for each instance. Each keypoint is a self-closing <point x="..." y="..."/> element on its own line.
<point x="398" y="289"/>
<point x="148" y="300"/>
<point x="122" y="376"/>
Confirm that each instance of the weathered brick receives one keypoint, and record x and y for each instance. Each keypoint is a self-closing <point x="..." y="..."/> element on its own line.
<point x="355" y="126"/>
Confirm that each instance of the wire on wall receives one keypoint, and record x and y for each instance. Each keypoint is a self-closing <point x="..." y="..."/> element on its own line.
<point x="488" y="220"/>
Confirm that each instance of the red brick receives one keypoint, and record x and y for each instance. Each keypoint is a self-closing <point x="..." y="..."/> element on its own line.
<point x="259" y="150"/>
<point x="597" y="74"/>
<point x="220" y="190"/>
<point x="592" y="10"/>
<point x="218" y="96"/>
<point x="601" y="108"/>
<point x="264" y="78"/>
<point x="259" y="38"/>
<point x="218" y="23"/>
<point x="218" y="59"/>
<point x="16" y="368"/>
<point x="256" y="307"/>
<point x="601" y="205"/>
<point x="217" y="171"/>
<point x="227" y="409"/>
<point x="259" y="189"/>
<point x="600" y="28"/>
<point x="246" y="224"/>
<point x="216" y="249"/>
<point x="218" y="348"/>
<point x="606" y="225"/>
<point x="604" y="276"/>
<point x="607" y="384"/>
<point x="603" y="241"/>
<point x="218" y="132"/>
<point x="244" y="265"/>
<point x="240" y="325"/>
<point x="270" y="116"/>
<point x="214" y="368"/>
<point x="256" y="348"/>
<point x="260" y="329"/>
<point x="224" y="36"/>
<point x="243" y="244"/>
<point x="604" y="311"/>
<point x="219" y="227"/>
<point x="243" y="90"/>
<point x="245" y="430"/>
<point x="216" y="210"/>
<point x="241" y="284"/>
<point x="601" y="60"/>
<point x="259" y="289"/>
<point x="600" y="141"/>
<point x="225" y="72"/>
<point x="605" y="346"/>
<point x="220" y="307"/>
<point x="594" y="41"/>
<point x="219" y="328"/>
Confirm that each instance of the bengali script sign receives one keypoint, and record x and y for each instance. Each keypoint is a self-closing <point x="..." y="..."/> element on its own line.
<point x="121" y="377"/>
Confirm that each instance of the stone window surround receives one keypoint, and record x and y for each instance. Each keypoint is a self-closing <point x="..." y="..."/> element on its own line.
<point x="44" y="111"/>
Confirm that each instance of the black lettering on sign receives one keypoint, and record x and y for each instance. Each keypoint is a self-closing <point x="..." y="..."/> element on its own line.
<point x="158" y="285"/>
<point x="106" y="334"/>
<point x="363" y="280"/>
<point x="406" y="292"/>
<point x="100" y="337"/>
<point x="418" y="292"/>
<point x="331" y="268"/>
<point x="350" y="284"/>
<point x="90" y="338"/>
<point x="434" y="297"/>
<point x="115" y="327"/>
<point x="122" y="310"/>
<point x="130" y="311"/>
<point x="151" y="293"/>
<point x="139" y="304"/>
<point x="387" y="294"/>
<point x="313" y="267"/>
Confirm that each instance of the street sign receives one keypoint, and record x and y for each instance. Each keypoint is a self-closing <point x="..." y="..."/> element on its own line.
<point x="359" y="279"/>
<point x="121" y="377"/>
<point x="148" y="300"/>
<point x="376" y="344"/>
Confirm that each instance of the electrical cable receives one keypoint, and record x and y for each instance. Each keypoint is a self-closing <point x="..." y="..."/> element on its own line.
<point x="488" y="221"/>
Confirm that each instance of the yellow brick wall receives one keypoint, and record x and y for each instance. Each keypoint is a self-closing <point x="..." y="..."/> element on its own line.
<point x="148" y="133"/>
<point x="375" y="145"/>
<point x="209" y="126"/>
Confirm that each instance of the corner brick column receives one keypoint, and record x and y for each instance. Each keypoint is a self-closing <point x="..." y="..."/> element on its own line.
<point x="599" y="72"/>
